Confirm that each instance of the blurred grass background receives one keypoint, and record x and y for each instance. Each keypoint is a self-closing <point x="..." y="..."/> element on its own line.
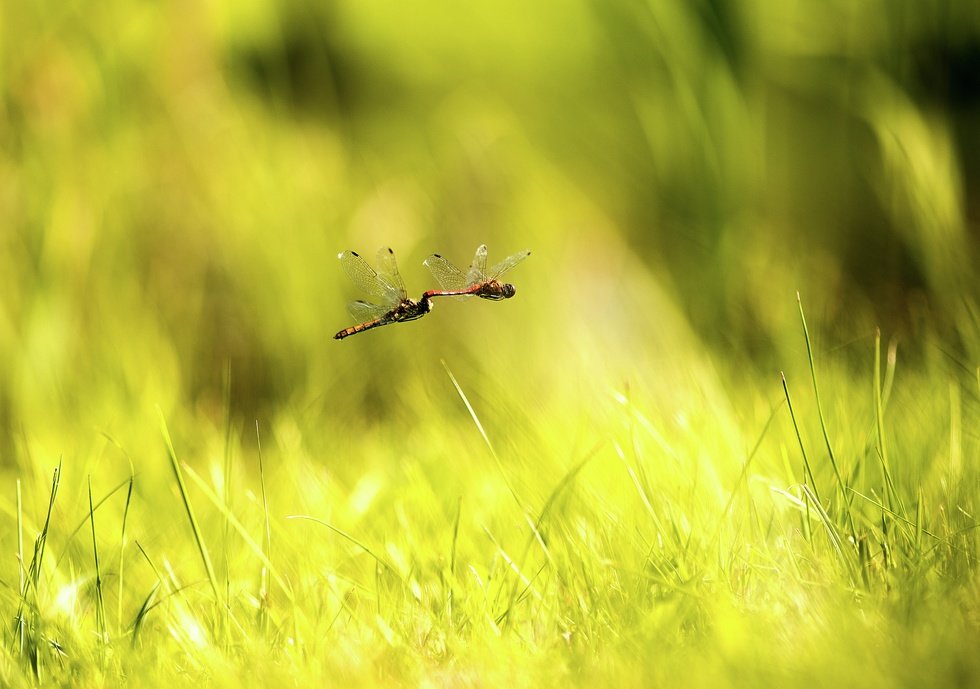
<point x="176" y="180"/>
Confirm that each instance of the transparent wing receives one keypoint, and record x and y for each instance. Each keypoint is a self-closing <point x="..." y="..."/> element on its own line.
<point x="367" y="280"/>
<point x="478" y="268"/>
<point x="364" y="312"/>
<point x="507" y="264"/>
<point x="389" y="270"/>
<point x="449" y="277"/>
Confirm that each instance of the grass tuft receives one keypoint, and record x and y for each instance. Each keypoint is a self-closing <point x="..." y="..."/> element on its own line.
<point x="30" y="636"/>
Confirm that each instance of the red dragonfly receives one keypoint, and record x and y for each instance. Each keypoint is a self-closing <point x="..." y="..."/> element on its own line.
<point x="386" y="285"/>
<point x="477" y="281"/>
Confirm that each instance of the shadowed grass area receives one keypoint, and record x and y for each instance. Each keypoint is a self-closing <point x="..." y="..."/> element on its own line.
<point x="723" y="435"/>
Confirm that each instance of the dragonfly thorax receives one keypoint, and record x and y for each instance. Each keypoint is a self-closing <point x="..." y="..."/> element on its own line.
<point x="495" y="291"/>
<point x="409" y="310"/>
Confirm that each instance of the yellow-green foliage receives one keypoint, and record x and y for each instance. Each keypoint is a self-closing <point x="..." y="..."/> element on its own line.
<point x="600" y="481"/>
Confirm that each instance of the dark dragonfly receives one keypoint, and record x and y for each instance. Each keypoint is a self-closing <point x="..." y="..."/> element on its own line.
<point x="477" y="281"/>
<point x="386" y="285"/>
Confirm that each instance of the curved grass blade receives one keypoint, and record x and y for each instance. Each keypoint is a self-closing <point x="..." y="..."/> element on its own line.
<point x="202" y="547"/>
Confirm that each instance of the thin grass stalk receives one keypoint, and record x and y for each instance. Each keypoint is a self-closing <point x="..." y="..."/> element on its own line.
<point x="21" y="571"/>
<point x="838" y="544"/>
<point x="100" y="617"/>
<point x="535" y="526"/>
<point x="886" y="549"/>
<point x="168" y="581"/>
<point x="955" y="470"/>
<point x="41" y="543"/>
<point x="538" y="525"/>
<point x="266" y="540"/>
<point x="226" y="495"/>
<point x="122" y="548"/>
<point x="19" y="628"/>
<point x="888" y="486"/>
<point x="741" y="481"/>
<point x="195" y="528"/>
<point x="890" y="361"/>
<point x="83" y="523"/>
<point x="919" y="527"/>
<point x="346" y="536"/>
<point x="641" y="491"/>
<point x="637" y="470"/>
<point x="148" y="603"/>
<point x="123" y="536"/>
<point x="237" y="526"/>
<point x="842" y="485"/>
<point x="486" y="438"/>
<point x="807" y="472"/>
<point x="226" y="482"/>
<point x="30" y="634"/>
<point x="905" y="521"/>
<point x="452" y="561"/>
<point x="512" y="595"/>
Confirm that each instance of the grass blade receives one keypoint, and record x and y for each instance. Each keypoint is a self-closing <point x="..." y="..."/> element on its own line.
<point x="343" y="534"/>
<point x="483" y="433"/>
<point x="843" y="553"/>
<point x="842" y="485"/>
<point x="195" y="528"/>
<point x="141" y="614"/>
<point x="27" y="622"/>
<point x="122" y="546"/>
<point x="267" y="538"/>
<point x="232" y="521"/>
<point x="891" y="497"/>
<point x="452" y="560"/>
<point x="21" y="572"/>
<point x="100" y="619"/>
<point x="807" y="471"/>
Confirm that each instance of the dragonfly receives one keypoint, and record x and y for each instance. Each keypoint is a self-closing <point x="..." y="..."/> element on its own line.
<point x="477" y="281"/>
<point x="387" y="286"/>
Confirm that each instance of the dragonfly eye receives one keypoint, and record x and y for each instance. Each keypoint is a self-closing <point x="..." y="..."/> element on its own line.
<point x="509" y="290"/>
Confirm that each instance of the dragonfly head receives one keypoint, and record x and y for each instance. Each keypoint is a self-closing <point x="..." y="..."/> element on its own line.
<point x="508" y="290"/>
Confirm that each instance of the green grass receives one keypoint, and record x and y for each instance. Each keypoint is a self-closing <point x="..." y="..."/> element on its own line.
<point x="635" y="554"/>
<point x="724" y="435"/>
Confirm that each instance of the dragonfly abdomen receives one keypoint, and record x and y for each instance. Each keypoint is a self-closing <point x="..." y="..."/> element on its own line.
<point x="361" y="327"/>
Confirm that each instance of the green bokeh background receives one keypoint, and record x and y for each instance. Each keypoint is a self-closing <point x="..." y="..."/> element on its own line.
<point x="176" y="180"/>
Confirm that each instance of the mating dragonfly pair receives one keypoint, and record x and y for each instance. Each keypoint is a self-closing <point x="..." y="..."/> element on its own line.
<point x="395" y="307"/>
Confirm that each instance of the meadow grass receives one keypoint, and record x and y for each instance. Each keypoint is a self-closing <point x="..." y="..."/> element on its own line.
<point x="652" y="467"/>
<point x="822" y="542"/>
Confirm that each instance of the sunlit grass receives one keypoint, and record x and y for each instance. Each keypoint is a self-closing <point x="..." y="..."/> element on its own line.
<point x="725" y="434"/>
<point x="652" y="551"/>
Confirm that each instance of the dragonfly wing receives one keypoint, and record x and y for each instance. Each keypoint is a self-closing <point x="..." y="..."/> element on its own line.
<point x="478" y="268"/>
<point x="364" y="276"/>
<point x="364" y="312"/>
<point x="389" y="270"/>
<point x="507" y="264"/>
<point x="449" y="277"/>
